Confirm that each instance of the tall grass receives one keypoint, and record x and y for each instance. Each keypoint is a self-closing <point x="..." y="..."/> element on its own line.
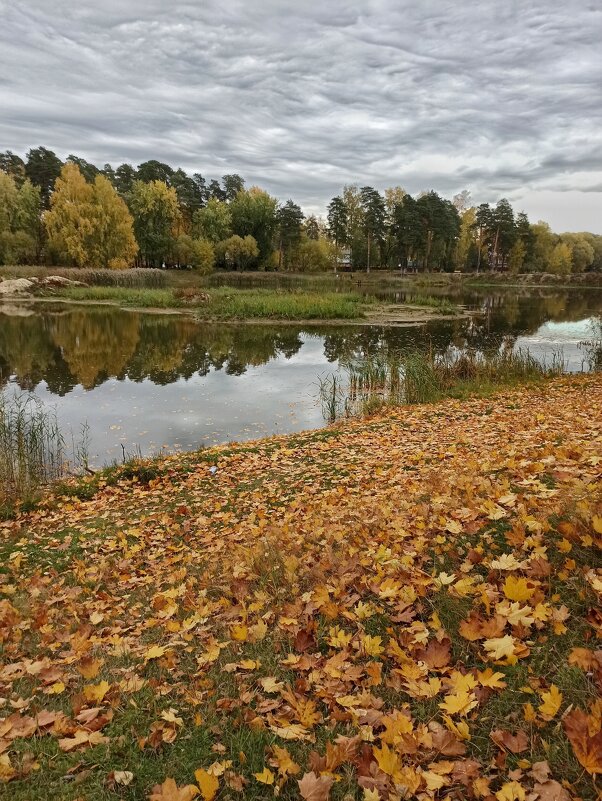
<point x="134" y="278"/>
<point x="418" y="377"/>
<point x="33" y="450"/>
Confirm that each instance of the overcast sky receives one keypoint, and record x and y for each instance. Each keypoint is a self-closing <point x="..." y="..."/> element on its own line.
<point x="501" y="98"/>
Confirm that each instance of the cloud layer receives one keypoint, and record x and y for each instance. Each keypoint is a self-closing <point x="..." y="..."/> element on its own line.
<point x="500" y="98"/>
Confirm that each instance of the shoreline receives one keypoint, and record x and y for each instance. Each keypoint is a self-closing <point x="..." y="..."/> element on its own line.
<point x="380" y="315"/>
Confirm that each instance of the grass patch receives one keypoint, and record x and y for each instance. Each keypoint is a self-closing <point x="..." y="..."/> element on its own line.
<point x="443" y="305"/>
<point x="228" y="304"/>
<point x="224" y="303"/>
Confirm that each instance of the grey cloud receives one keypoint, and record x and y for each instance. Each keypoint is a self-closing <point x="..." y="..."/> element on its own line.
<point x="304" y="97"/>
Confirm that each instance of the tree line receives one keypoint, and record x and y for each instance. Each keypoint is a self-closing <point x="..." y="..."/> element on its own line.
<point x="153" y="215"/>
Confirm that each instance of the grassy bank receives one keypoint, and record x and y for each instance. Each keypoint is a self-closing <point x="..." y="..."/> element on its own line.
<point x="410" y="601"/>
<point x="133" y="278"/>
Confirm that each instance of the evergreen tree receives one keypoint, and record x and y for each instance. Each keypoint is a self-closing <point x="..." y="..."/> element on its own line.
<point x="337" y="225"/>
<point x="373" y="205"/>
<point x="289" y="219"/>
<point x="42" y="168"/>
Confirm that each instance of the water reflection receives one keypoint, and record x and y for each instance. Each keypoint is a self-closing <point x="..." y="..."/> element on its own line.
<point x="168" y="381"/>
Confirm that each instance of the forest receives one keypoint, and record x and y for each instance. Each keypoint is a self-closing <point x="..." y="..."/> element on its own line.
<point x="73" y="213"/>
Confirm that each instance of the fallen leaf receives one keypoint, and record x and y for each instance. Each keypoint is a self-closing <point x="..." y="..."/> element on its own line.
<point x="208" y="784"/>
<point x="315" y="788"/>
<point x="265" y="777"/>
<point x="169" y="791"/>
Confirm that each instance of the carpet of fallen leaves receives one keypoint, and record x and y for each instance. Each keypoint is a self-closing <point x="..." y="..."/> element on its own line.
<point x="401" y="607"/>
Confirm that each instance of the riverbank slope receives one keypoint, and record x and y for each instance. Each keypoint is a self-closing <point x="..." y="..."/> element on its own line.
<point x="408" y="601"/>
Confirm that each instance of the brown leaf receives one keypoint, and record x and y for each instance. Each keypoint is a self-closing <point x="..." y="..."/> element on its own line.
<point x="540" y="771"/>
<point x="436" y="655"/>
<point x="446" y="743"/>
<point x="551" y="791"/>
<point x="465" y="771"/>
<point x="587" y="748"/>
<point x="305" y="640"/>
<point x="315" y="788"/>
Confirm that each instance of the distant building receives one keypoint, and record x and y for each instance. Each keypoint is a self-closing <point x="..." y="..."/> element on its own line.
<point x="344" y="259"/>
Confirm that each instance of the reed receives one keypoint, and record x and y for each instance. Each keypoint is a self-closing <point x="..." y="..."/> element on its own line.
<point x="366" y="386"/>
<point x="33" y="450"/>
<point x="135" y="278"/>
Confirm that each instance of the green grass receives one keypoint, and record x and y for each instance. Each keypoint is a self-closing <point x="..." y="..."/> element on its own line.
<point x="229" y="304"/>
<point x="225" y="303"/>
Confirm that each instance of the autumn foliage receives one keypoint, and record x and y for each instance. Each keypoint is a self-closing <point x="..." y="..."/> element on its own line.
<point x="403" y="607"/>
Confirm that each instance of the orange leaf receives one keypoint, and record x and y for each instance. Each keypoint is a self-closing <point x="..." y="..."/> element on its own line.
<point x="587" y="748"/>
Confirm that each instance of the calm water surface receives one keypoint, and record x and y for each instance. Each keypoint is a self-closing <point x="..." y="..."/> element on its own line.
<point x="153" y="381"/>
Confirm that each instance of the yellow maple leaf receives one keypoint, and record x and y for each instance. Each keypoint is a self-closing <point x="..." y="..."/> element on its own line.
<point x="207" y="782"/>
<point x="265" y="777"/>
<point x="517" y="589"/>
<point x="7" y="772"/>
<point x="460" y="729"/>
<point x="511" y="791"/>
<point x="552" y="701"/>
<point x="337" y="638"/>
<point x="462" y="682"/>
<point x="396" y="725"/>
<point x="96" y="692"/>
<point x="371" y="646"/>
<point x="154" y="652"/>
<point x="239" y="632"/>
<point x="258" y="631"/>
<point x="488" y="678"/>
<point x="597" y="524"/>
<point x="286" y="765"/>
<point x="515" y="613"/>
<point x="387" y="760"/>
<point x="529" y="713"/>
<point x="459" y="703"/>
<point x="499" y="647"/>
<point x="434" y="781"/>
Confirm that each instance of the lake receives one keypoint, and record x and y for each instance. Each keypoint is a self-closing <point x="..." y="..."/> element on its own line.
<point x="146" y="382"/>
